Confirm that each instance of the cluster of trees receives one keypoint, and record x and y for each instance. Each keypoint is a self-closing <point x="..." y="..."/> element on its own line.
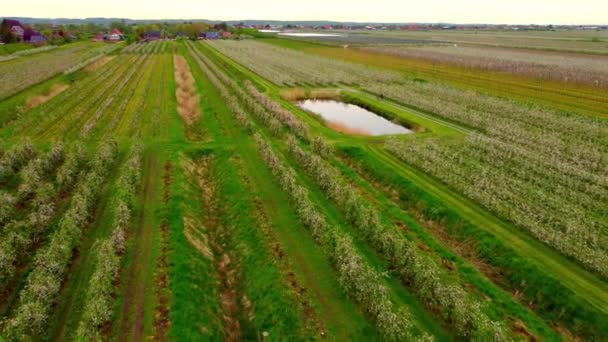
<point x="18" y="236"/>
<point x="34" y="173"/>
<point x="99" y="300"/>
<point x="17" y="157"/>
<point x="73" y="167"/>
<point x="51" y="263"/>
<point x="285" y="116"/>
<point x="7" y="206"/>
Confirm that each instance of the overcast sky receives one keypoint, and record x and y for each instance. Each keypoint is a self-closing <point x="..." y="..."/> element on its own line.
<point x="454" y="11"/>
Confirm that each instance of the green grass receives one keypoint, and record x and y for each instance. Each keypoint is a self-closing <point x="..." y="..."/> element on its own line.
<point x="8" y="49"/>
<point x="195" y="309"/>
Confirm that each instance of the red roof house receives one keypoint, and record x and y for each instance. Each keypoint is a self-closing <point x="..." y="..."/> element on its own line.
<point x="99" y="37"/>
<point x="115" y="35"/>
<point x="16" y="28"/>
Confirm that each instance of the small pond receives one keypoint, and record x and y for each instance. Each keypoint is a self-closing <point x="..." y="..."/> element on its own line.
<point x="309" y="34"/>
<point x="351" y="119"/>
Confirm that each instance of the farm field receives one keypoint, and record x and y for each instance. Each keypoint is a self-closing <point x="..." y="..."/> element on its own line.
<point x="177" y="190"/>
<point x="588" y="41"/>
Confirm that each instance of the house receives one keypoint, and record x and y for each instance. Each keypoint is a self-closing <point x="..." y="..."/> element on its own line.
<point x="212" y="36"/>
<point x="152" y="35"/>
<point x="99" y="37"/>
<point x="22" y="33"/>
<point x="18" y="31"/>
<point x="226" y="35"/>
<point x="33" y="37"/>
<point x="115" y="35"/>
<point x="15" y="27"/>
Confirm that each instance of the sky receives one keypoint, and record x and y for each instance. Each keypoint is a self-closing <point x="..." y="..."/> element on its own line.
<point x="452" y="11"/>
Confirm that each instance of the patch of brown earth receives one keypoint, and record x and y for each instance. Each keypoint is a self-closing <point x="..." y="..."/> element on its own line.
<point x="161" y="318"/>
<point x="188" y="101"/>
<point x="520" y="329"/>
<point x="194" y="235"/>
<point x="225" y="268"/>
<point x="36" y="100"/>
<point x="98" y="63"/>
<point x="279" y="258"/>
<point x="133" y="309"/>
<point x="567" y="334"/>
<point x="342" y="128"/>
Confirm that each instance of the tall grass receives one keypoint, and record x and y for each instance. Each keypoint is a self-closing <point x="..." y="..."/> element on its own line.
<point x="187" y="96"/>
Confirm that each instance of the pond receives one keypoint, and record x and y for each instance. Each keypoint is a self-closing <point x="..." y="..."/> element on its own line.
<point x="310" y="34"/>
<point x="351" y="119"/>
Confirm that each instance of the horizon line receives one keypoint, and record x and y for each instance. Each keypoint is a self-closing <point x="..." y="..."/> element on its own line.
<point x="297" y="21"/>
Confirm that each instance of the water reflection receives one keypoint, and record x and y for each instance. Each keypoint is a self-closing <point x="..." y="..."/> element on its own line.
<point x="351" y="119"/>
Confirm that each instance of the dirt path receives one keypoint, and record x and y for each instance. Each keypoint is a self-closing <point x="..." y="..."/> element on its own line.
<point x="137" y="283"/>
<point x="224" y="261"/>
<point x="331" y="311"/>
<point x="161" y="317"/>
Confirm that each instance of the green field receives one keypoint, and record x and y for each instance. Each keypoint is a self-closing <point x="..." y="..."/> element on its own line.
<point x="175" y="190"/>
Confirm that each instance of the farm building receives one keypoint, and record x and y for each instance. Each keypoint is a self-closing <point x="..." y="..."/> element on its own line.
<point x="33" y="37"/>
<point x="99" y="37"/>
<point x="115" y="35"/>
<point x="152" y="35"/>
<point x="18" y="31"/>
<point x="15" y="27"/>
<point x="22" y="33"/>
<point x="212" y="35"/>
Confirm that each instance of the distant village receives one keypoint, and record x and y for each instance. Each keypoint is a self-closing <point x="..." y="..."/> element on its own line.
<point x="14" y="31"/>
